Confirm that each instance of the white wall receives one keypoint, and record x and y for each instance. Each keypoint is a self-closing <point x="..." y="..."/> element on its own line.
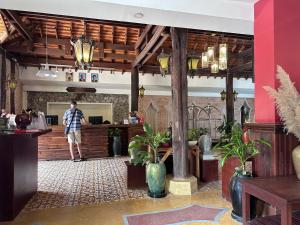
<point x="118" y="83"/>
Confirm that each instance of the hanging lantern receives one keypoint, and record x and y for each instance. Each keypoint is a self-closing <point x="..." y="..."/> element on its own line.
<point x="235" y="94"/>
<point x="223" y="56"/>
<point x="11" y="84"/>
<point x="223" y="95"/>
<point x="210" y="54"/>
<point x="215" y="67"/>
<point x="163" y="60"/>
<point x="142" y="91"/>
<point x="193" y="65"/>
<point x="222" y="64"/>
<point x="204" y="60"/>
<point x="83" y="51"/>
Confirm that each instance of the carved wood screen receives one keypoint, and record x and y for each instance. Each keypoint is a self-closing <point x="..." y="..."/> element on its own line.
<point x="208" y="117"/>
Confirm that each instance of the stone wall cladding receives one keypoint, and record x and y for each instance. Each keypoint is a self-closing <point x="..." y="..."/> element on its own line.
<point x="38" y="101"/>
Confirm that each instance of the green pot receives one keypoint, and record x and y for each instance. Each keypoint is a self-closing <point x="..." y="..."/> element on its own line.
<point x="156" y="179"/>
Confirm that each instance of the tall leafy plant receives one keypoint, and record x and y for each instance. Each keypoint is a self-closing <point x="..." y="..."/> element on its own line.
<point x="237" y="144"/>
<point x="147" y="145"/>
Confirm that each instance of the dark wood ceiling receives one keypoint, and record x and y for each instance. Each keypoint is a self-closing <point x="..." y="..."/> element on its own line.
<point x="118" y="44"/>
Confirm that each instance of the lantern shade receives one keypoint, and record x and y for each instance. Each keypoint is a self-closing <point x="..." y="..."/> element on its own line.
<point x="204" y="60"/>
<point x="223" y="56"/>
<point x="223" y="95"/>
<point x="12" y="84"/>
<point x="83" y="51"/>
<point x="163" y="60"/>
<point x="223" y="51"/>
<point x="193" y="63"/>
<point x="215" y="67"/>
<point x="222" y="64"/>
<point x="210" y="54"/>
<point x="142" y="91"/>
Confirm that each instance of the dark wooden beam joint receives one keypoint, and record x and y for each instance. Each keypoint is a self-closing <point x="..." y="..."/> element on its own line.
<point x="3" y="80"/>
<point x="229" y="99"/>
<point x="156" y="40"/>
<point x="16" y="21"/>
<point x="134" y="89"/>
<point x="12" y="91"/>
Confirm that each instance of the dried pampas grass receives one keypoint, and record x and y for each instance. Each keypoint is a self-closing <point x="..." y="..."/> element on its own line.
<point x="287" y="101"/>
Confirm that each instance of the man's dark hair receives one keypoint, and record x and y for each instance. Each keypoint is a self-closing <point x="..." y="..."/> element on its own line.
<point x="73" y="102"/>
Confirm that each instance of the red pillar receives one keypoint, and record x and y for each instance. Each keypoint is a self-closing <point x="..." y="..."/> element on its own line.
<point x="276" y="42"/>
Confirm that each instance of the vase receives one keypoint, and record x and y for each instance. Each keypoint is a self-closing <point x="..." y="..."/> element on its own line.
<point x="296" y="160"/>
<point x="23" y="120"/>
<point x="117" y="146"/>
<point x="235" y="188"/>
<point x="156" y="179"/>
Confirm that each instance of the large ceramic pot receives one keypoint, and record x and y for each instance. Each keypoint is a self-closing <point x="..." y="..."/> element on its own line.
<point x="235" y="188"/>
<point x="296" y="160"/>
<point x="156" y="179"/>
<point x="117" y="146"/>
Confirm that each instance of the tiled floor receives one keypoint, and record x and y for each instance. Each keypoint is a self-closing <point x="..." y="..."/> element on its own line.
<point x="111" y="213"/>
<point x="95" y="193"/>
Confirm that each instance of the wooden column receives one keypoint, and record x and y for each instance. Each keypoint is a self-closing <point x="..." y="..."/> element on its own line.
<point x="229" y="98"/>
<point x="3" y="81"/>
<point x="179" y="102"/>
<point x="134" y="89"/>
<point x="12" y="91"/>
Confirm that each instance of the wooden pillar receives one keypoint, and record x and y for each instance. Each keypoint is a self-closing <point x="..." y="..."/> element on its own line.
<point x="179" y="102"/>
<point x="134" y="89"/>
<point x="229" y="98"/>
<point x="12" y="91"/>
<point x="3" y="81"/>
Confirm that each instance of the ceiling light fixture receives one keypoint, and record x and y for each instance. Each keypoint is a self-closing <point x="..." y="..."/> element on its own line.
<point x="83" y="51"/>
<point x="138" y="15"/>
<point x="46" y="71"/>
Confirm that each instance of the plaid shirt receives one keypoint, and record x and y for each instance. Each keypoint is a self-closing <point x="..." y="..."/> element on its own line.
<point x="76" y="123"/>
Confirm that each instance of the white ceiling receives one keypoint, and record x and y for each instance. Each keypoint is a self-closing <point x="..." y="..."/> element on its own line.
<point x="235" y="16"/>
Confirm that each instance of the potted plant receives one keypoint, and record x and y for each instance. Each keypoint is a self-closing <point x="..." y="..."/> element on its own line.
<point x="147" y="147"/>
<point x="193" y="136"/>
<point x="237" y="144"/>
<point x="115" y="137"/>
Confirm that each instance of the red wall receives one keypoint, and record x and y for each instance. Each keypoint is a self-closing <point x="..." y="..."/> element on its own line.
<point x="276" y="42"/>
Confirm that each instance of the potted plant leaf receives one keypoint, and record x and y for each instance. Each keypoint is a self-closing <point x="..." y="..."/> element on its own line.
<point x="237" y="144"/>
<point x="193" y="136"/>
<point x="147" y="151"/>
<point x="116" y="145"/>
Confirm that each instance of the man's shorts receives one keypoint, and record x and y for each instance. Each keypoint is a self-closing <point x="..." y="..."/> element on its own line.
<point x="74" y="137"/>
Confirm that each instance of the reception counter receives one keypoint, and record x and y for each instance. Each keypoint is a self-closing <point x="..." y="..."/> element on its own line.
<point x="94" y="138"/>
<point x="18" y="170"/>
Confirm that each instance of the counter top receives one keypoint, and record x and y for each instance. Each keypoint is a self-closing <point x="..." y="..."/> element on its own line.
<point x="101" y="125"/>
<point x="32" y="133"/>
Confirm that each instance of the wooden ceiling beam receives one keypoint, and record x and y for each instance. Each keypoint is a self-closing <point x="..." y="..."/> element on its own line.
<point x="201" y="72"/>
<point x="44" y="16"/>
<point x="56" y="52"/>
<point x="16" y="21"/>
<point x="246" y="67"/>
<point x="143" y="36"/>
<point x="26" y="61"/>
<point x="150" y="45"/>
<point x="157" y="46"/>
<point x="106" y="45"/>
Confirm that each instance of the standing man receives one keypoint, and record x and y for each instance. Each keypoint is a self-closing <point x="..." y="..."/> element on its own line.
<point x="72" y="120"/>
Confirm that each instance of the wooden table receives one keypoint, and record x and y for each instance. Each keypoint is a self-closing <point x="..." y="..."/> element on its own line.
<point x="281" y="192"/>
